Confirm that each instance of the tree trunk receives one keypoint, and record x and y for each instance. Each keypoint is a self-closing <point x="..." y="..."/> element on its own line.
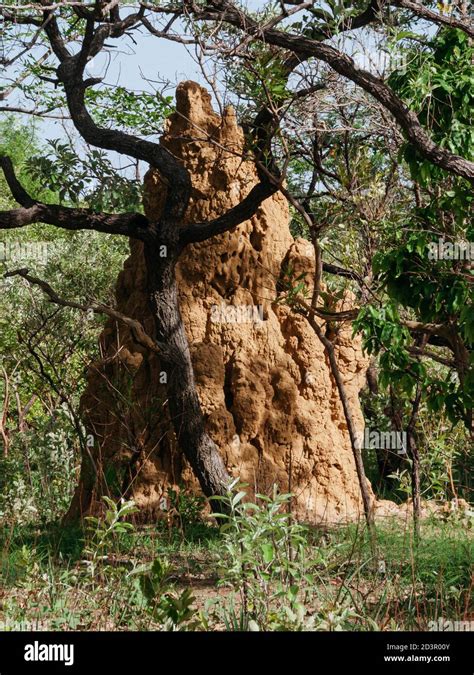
<point x="415" y="482"/>
<point x="183" y="402"/>
<point x="415" y="458"/>
<point x="351" y="427"/>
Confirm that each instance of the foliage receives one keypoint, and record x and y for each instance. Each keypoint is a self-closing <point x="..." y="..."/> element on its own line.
<point x="187" y="508"/>
<point x="170" y="610"/>
<point x="145" y="581"/>
<point x="38" y="474"/>
<point x="45" y="352"/>
<point x="378" y="206"/>
<point x="142" y="112"/>
<point x="265" y="560"/>
<point x="438" y="83"/>
<point x="102" y="531"/>
<point x="92" y="180"/>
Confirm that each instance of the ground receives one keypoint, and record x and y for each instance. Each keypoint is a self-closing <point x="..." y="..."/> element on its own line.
<point x="193" y="576"/>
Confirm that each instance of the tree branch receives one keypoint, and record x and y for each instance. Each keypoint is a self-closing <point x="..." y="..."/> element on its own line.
<point x="22" y="19"/>
<point x="418" y="351"/>
<point x="70" y="73"/>
<point x="428" y="14"/>
<point x="427" y="328"/>
<point x="305" y="48"/>
<point x="138" y="332"/>
<point x="240" y="213"/>
<point x="35" y="113"/>
<point x="56" y="40"/>
<point x="133" y="225"/>
<point x="263" y="130"/>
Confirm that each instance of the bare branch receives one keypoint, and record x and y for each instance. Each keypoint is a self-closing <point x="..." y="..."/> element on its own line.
<point x="418" y="351"/>
<point x="305" y="48"/>
<point x="45" y="114"/>
<point x="8" y="14"/>
<point x="138" y="332"/>
<point x="45" y="6"/>
<point x="428" y="14"/>
<point x="243" y="211"/>
<point x="133" y="225"/>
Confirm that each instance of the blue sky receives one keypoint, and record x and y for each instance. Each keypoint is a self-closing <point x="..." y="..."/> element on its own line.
<point x="152" y="59"/>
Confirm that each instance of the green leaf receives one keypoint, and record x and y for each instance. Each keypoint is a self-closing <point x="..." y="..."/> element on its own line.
<point x="268" y="552"/>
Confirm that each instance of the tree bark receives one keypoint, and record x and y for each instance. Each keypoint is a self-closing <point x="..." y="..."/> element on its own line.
<point x="415" y="467"/>
<point x="415" y="482"/>
<point x="183" y="401"/>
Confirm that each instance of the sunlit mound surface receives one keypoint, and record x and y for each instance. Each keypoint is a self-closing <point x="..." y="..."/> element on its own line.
<point x="263" y="378"/>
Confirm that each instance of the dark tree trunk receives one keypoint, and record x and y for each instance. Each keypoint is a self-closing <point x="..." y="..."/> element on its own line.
<point x="183" y="402"/>
<point x="415" y="458"/>
<point x="415" y="482"/>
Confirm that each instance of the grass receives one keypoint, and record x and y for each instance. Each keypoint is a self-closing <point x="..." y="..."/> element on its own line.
<point x="45" y="576"/>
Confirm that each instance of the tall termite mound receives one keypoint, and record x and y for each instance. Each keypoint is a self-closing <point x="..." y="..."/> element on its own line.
<point x="263" y="378"/>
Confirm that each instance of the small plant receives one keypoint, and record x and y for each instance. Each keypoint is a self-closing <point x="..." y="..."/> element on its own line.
<point x="170" y="610"/>
<point x="187" y="508"/>
<point x="103" y="531"/>
<point x="265" y="561"/>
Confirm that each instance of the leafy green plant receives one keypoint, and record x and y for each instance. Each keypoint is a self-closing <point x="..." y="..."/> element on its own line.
<point x="103" y="531"/>
<point x="186" y="507"/>
<point x="265" y="559"/>
<point x="93" y="180"/>
<point x="172" y="611"/>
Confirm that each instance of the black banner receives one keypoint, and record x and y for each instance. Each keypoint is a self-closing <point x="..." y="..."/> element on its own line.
<point x="69" y="652"/>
